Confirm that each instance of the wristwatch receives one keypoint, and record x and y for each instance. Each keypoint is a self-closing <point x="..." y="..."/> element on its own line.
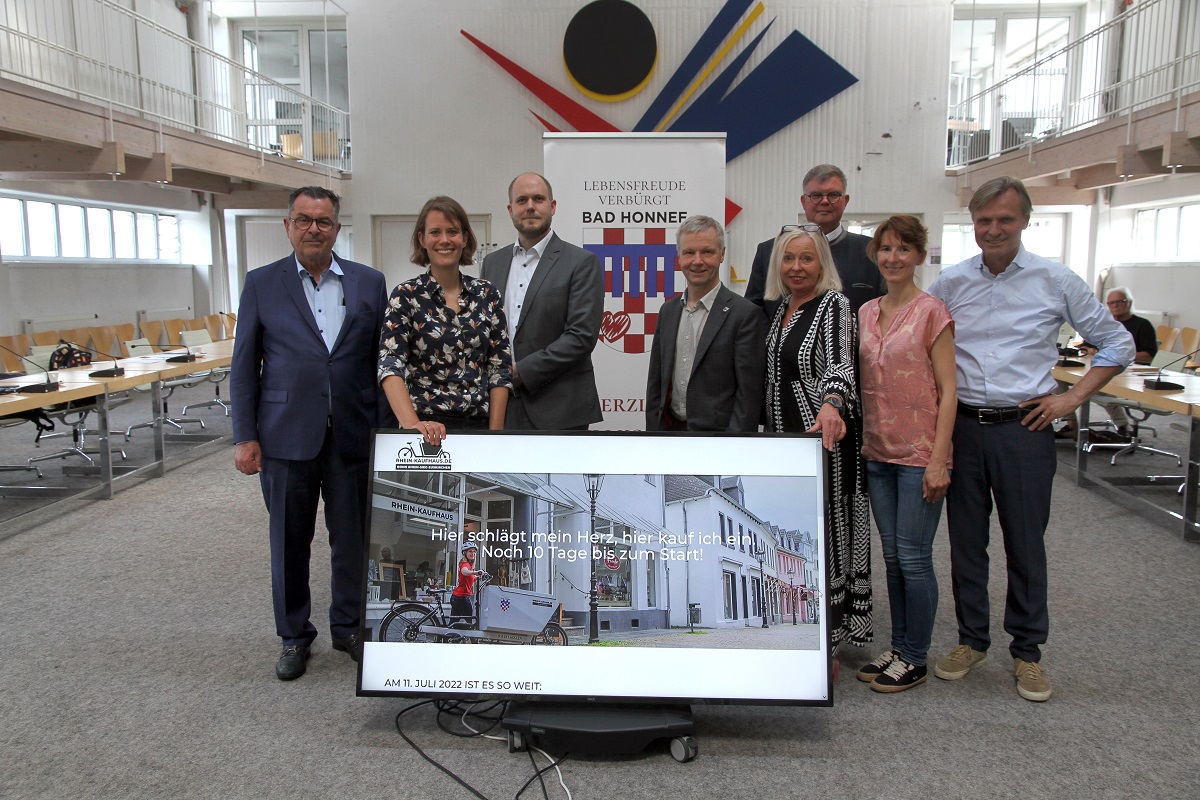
<point x="836" y="402"/>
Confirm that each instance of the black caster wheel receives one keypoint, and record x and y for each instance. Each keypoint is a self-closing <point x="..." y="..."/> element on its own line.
<point x="684" y="749"/>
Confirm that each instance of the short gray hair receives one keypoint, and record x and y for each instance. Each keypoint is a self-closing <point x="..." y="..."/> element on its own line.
<point x="823" y="172"/>
<point x="996" y="187"/>
<point x="1124" y="291"/>
<point x="698" y="223"/>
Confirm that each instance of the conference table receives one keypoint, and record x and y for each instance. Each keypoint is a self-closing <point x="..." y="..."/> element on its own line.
<point x="148" y="373"/>
<point x="1130" y="385"/>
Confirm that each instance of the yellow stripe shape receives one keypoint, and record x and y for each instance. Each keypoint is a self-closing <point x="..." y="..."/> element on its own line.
<point x="611" y="98"/>
<point x="755" y="13"/>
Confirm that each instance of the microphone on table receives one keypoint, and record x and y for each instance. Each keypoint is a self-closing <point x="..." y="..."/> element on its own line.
<point x="185" y="358"/>
<point x="1158" y="383"/>
<point x="33" y="388"/>
<point x="114" y="371"/>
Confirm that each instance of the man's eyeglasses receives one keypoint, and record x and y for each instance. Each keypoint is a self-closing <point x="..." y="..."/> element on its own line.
<point x="808" y="227"/>
<point x="1117" y="303"/>
<point x="324" y="224"/>
<point x="817" y="197"/>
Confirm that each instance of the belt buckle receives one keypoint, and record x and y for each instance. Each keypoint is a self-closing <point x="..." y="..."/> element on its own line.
<point x="990" y="416"/>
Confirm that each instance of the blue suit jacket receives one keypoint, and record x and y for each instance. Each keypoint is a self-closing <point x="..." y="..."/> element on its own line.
<point x="283" y="376"/>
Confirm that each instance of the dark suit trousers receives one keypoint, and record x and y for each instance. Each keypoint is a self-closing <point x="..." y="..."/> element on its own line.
<point x="291" y="490"/>
<point x="1015" y="466"/>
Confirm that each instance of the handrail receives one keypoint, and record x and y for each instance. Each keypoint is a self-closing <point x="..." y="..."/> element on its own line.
<point x="190" y="86"/>
<point x="1014" y="113"/>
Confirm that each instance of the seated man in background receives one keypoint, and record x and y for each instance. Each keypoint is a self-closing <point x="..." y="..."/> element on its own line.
<point x="1145" y="342"/>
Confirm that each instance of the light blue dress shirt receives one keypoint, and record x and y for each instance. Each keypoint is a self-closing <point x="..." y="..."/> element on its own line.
<point x="1006" y="326"/>
<point x="326" y="299"/>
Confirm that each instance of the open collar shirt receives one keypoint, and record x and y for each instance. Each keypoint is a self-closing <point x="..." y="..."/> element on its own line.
<point x="687" y="337"/>
<point x="327" y="300"/>
<point x="520" y="273"/>
<point x="1006" y="326"/>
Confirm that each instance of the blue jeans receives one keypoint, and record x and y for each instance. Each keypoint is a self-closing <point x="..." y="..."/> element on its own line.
<point x="906" y="525"/>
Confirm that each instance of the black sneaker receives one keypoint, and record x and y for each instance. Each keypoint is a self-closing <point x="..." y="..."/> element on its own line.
<point x="873" y="670"/>
<point x="899" y="676"/>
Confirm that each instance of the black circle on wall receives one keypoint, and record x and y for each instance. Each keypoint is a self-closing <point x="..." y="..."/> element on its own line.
<point x="610" y="49"/>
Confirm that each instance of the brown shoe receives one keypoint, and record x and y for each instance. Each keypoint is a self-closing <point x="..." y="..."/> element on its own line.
<point x="1031" y="680"/>
<point x="959" y="662"/>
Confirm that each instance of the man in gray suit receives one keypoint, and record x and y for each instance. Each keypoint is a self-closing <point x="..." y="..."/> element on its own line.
<point x="553" y="295"/>
<point x="709" y="356"/>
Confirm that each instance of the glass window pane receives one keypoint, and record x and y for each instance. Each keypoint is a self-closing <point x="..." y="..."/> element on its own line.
<point x="338" y="94"/>
<point x="71" y="231"/>
<point x="43" y="229"/>
<point x="1167" y="243"/>
<point x="1046" y="236"/>
<point x="168" y="238"/>
<point x="124" y="241"/>
<point x="12" y="228"/>
<point x="99" y="225"/>
<point x="1189" y="223"/>
<point x="1143" y="243"/>
<point x="147" y="236"/>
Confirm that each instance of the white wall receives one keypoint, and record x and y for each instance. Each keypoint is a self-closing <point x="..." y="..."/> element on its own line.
<point x="115" y="291"/>
<point x="1170" y="287"/>
<point x="433" y="115"/>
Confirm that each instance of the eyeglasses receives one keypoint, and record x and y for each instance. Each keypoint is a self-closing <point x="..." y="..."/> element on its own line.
<point x="1117" y="303"/>
<point x="817" y="197"/>
<point x="324" y="224"/>
<point x="808" y="227"/>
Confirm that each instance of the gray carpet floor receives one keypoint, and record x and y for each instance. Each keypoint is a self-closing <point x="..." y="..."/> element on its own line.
<point x="139" y="657"/>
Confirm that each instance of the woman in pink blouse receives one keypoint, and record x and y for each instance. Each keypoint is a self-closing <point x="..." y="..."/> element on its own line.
<point x="906" y="364"/>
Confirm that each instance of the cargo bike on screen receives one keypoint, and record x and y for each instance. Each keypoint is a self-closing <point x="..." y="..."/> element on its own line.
<point x="505" y="616"/>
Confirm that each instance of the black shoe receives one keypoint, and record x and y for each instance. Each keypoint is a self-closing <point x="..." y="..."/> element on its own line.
<point x="352" y="644"/>
<point x="873" y="670"/>
<point x="898" y="676"/>
<point x="292" y="662"/>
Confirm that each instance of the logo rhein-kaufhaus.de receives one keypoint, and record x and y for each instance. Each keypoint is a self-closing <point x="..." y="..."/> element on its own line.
<point x="422" y="456"/>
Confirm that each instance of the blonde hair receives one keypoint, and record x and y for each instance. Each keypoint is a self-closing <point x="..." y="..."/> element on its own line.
<point x="829" y="280"/>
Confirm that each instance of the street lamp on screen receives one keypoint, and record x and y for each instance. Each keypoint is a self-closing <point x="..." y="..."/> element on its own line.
<point x="760" y="553"/>
<point x="593" y="483"/>
<point x="792" y="593"/>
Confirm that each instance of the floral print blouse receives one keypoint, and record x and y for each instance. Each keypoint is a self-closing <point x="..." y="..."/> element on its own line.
<point x="449" y="361"/>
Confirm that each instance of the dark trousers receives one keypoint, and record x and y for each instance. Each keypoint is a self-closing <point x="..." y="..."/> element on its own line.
<point x="1011" y="468"/>
<point x="291" y="490"/>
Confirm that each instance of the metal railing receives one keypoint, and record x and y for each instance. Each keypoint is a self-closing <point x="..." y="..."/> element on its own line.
<point x="1144" y="56"/>
<point x="102" y="52"/>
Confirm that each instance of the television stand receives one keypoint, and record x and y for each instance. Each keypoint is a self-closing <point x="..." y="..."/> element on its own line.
<point x="599" y="729"/>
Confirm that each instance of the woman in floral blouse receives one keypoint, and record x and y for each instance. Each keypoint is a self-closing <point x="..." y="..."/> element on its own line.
<point x="444" y="359"/>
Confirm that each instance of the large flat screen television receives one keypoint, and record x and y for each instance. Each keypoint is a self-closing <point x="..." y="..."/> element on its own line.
<point x="619" y="567"/>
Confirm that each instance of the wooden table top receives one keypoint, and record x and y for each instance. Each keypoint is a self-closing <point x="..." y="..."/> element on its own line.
<point x="78" y="383"/>
<point x="1130" y="385"/>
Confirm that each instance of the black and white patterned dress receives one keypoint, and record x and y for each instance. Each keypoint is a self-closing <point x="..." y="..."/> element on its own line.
<point x="810" y="357"/>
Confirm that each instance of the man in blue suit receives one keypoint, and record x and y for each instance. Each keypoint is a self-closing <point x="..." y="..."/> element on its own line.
<point x="304" y="402"/>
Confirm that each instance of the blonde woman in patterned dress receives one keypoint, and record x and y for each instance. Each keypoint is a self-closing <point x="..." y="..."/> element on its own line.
<point x="906" y="360"/>
<point x="445" y="360"/>
<point x="811" y="387"/>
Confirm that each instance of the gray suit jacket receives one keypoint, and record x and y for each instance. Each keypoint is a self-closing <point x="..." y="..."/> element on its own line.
<point x="557" y="331"/>
<point x="725" y="389"/>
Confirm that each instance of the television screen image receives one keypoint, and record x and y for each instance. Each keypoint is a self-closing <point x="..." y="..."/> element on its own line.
<point x="597" y="566"/>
